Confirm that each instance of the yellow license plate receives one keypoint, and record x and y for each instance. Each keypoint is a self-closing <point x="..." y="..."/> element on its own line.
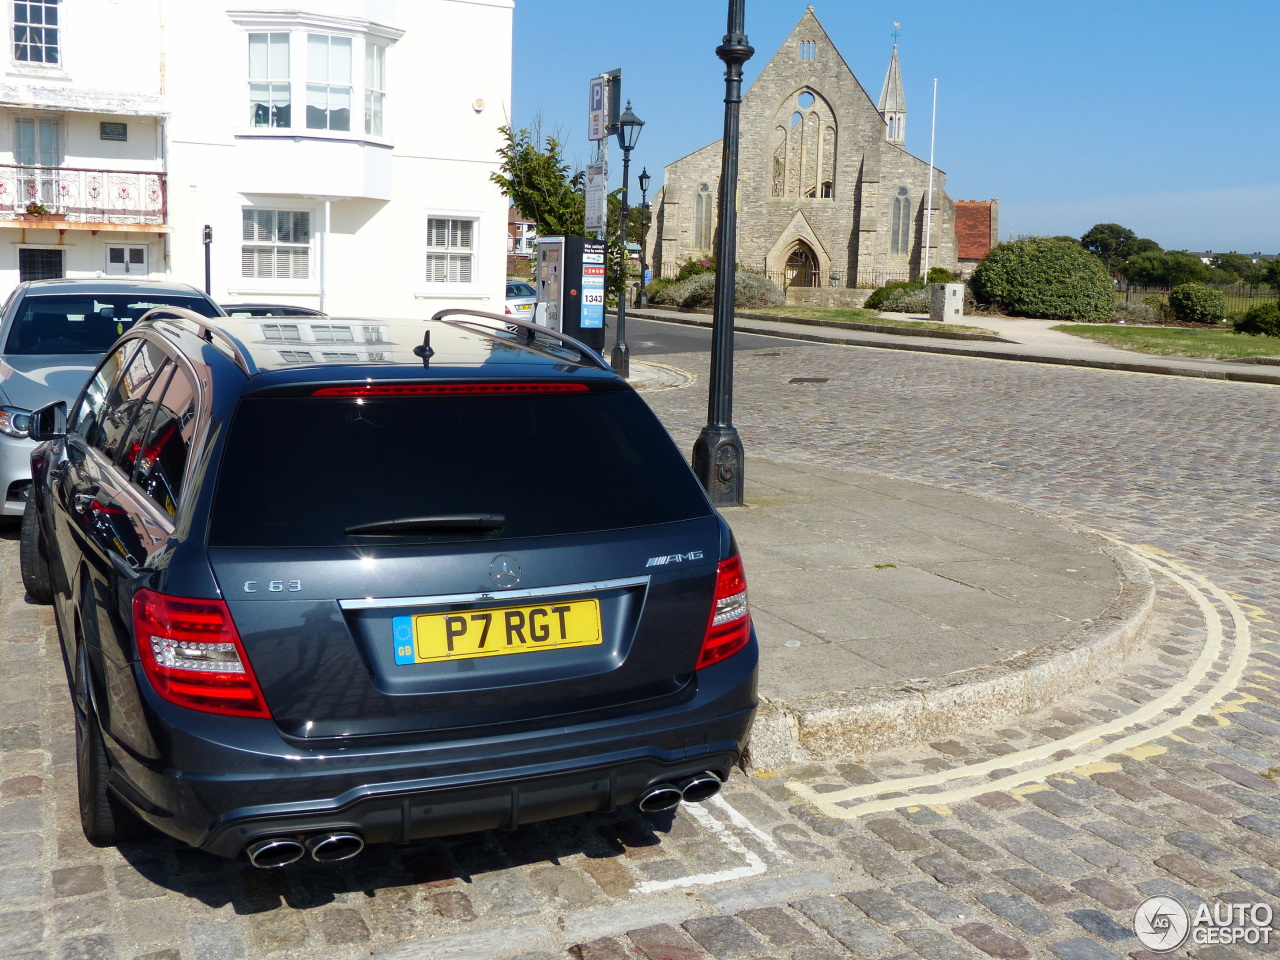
<point x="525" y="306"/>
<point x="467" y="634"/>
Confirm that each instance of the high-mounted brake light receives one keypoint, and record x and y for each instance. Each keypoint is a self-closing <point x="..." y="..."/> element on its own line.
<point x="447" y="389"/>
<point x="729" y="628"/>
<point x="192" y="654"/>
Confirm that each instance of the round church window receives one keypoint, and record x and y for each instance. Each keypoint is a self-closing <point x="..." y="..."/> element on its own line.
<point x="805" y="100"/>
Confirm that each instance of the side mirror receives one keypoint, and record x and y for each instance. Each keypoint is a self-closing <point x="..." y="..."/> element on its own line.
<point x="49" y="422"/>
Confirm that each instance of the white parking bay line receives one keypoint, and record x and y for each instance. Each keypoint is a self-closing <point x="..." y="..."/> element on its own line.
<point x="754" y="865"/>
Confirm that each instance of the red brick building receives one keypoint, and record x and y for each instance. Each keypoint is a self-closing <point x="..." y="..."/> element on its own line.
<point x="977" y="231"/>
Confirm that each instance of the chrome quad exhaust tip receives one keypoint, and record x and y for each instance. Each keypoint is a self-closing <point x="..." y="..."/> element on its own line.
<point x="332" y="847"/>
<point x="662" y="796"/>
<point x="274" y="852"/>
<point x="700" y="787"/>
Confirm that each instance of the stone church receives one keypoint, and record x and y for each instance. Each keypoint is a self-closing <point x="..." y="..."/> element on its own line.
<point x="828" y="195"/>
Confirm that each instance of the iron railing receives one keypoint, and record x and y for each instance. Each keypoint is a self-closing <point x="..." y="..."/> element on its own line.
<point x="1239" y="296"/>
<point x="79" y="195"/>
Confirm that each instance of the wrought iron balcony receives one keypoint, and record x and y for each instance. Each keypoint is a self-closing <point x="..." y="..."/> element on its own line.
<point x="76" y="196"/>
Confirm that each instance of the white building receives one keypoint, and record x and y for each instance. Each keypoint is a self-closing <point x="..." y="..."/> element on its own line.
<point x="339" y="154"/>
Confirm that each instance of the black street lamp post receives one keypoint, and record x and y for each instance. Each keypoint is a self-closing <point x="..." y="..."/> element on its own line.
<point x="717" y="453"/>
<point x="643" y="180"/>
<point x="628" y="133"/>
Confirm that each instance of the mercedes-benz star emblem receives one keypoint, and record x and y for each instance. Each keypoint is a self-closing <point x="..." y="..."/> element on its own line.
<point x="504" y="571"/>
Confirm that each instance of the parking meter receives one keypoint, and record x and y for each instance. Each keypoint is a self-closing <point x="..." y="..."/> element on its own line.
<point x="570" y="286"/>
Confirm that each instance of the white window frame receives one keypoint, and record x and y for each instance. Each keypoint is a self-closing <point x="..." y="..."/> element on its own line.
<point x="444" y="247"/>
<point x="300" y="25"/>
<point x="272" y="80"/>
<point x="375" y="87"/>
<point x="38" y="177"/>
<point x="279" y="285"/>
<point x="326" y="87"/>
<point x="41" y="29"/>
<point x="450" y="288"/>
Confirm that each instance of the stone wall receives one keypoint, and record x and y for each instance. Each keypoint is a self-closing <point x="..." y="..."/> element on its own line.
<point x="815" y="172"/>
<point x="828" y="296"/>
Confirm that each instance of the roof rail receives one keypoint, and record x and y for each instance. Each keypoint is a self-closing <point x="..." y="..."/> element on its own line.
<point x="524" y="331"/>
<point x="206" y="330"/>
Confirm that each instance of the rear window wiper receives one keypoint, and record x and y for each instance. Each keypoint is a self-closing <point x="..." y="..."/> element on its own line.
<point x="436" y="523"/>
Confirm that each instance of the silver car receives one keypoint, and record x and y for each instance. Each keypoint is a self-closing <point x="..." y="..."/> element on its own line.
<point x="52" y="335"/>
<point x="521" y="300"/>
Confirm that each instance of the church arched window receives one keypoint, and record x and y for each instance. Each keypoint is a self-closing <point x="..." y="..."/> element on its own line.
<point x="891" y="119"/>
<point x="702" y="219"/>
<point x="900" y="241"/>
<point x="804" y="148"/>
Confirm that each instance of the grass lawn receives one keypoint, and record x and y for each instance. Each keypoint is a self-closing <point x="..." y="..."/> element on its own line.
<point x="855" y="315"/>
<point x="1223" y="344"/>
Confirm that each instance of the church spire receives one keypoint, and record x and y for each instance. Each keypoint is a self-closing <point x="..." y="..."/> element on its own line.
<point x="893" y="105"/>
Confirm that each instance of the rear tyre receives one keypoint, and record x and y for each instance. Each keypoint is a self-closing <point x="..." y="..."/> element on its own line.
<point x="103" y="816"/>
<point x="34" y="558"/>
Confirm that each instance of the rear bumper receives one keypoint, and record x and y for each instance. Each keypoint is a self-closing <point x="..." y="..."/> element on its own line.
<point x="398" y="813"/>
<point x="224" y="782"/>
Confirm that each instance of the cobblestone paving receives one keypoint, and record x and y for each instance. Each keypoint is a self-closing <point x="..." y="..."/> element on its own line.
<point x="1050" y="868"/>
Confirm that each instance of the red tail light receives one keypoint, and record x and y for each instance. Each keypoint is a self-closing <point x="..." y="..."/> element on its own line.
<point x="729" y="628"/>
<point x="193" y="656"/>
<point x="446" y="389"/>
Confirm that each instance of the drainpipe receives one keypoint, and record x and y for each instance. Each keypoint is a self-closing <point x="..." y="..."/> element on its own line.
<point x="323" y="251"/>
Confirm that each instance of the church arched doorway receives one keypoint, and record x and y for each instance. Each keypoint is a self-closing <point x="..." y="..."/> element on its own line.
<point x="802" y="267"/>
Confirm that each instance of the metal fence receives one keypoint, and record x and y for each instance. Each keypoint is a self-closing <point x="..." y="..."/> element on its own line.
<point x="787" y="279"/>
<point x="78" y="195"/>
<point x="1239" y="296"/>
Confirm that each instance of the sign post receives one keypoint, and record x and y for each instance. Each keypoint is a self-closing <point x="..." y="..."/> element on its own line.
<point x="597" y="190"/>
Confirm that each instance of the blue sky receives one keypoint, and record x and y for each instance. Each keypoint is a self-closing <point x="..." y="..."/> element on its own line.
<point x="1162" y="116"/>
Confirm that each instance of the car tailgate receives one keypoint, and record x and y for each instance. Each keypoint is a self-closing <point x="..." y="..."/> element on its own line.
<point x="351" y="642"/>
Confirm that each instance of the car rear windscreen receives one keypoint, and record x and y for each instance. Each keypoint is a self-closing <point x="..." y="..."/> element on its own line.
<point x="301" y="471"/>
<point x="74" y="324"/>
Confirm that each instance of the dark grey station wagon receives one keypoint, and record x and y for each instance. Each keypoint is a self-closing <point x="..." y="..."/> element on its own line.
<point x="322" y="583"/>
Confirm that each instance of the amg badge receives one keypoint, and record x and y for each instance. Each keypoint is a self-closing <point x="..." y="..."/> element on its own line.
<point x="674" y="558"/>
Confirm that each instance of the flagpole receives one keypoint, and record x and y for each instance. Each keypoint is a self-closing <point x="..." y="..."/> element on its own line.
<point x="928" y="209"/>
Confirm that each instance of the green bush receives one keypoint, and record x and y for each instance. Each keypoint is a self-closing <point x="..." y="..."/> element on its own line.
<point x="1196" y="303"/>
<point x="656" y="286"/>
<point x="698" y="291"/>
<point x="750" y="290"/>
<point x="907" y="300"/>
<point x="941" y="275"/>
<point x="694" y="266"/>
<point x="1045" y="278"/>
<point x="1134" y="311"/>
<point x="1260" y="320"/>
<point x="879" y="298"/>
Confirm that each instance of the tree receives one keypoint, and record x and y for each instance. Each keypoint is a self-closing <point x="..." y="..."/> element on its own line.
<point x="1108" y="242"/>
<point x="1236" y="264"/>
<point x="1271" y="275"/>
<point x="1142" y="245"/>
<point x="1043" y="277"/>
<point x="1167" y="268"/>
<point x="537" y="179"/>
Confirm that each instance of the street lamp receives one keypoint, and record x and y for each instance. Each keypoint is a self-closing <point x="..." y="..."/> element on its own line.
<point x="717" y="453"/>
<point x="643" y="180"/>
<point x="628" y="133"/>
